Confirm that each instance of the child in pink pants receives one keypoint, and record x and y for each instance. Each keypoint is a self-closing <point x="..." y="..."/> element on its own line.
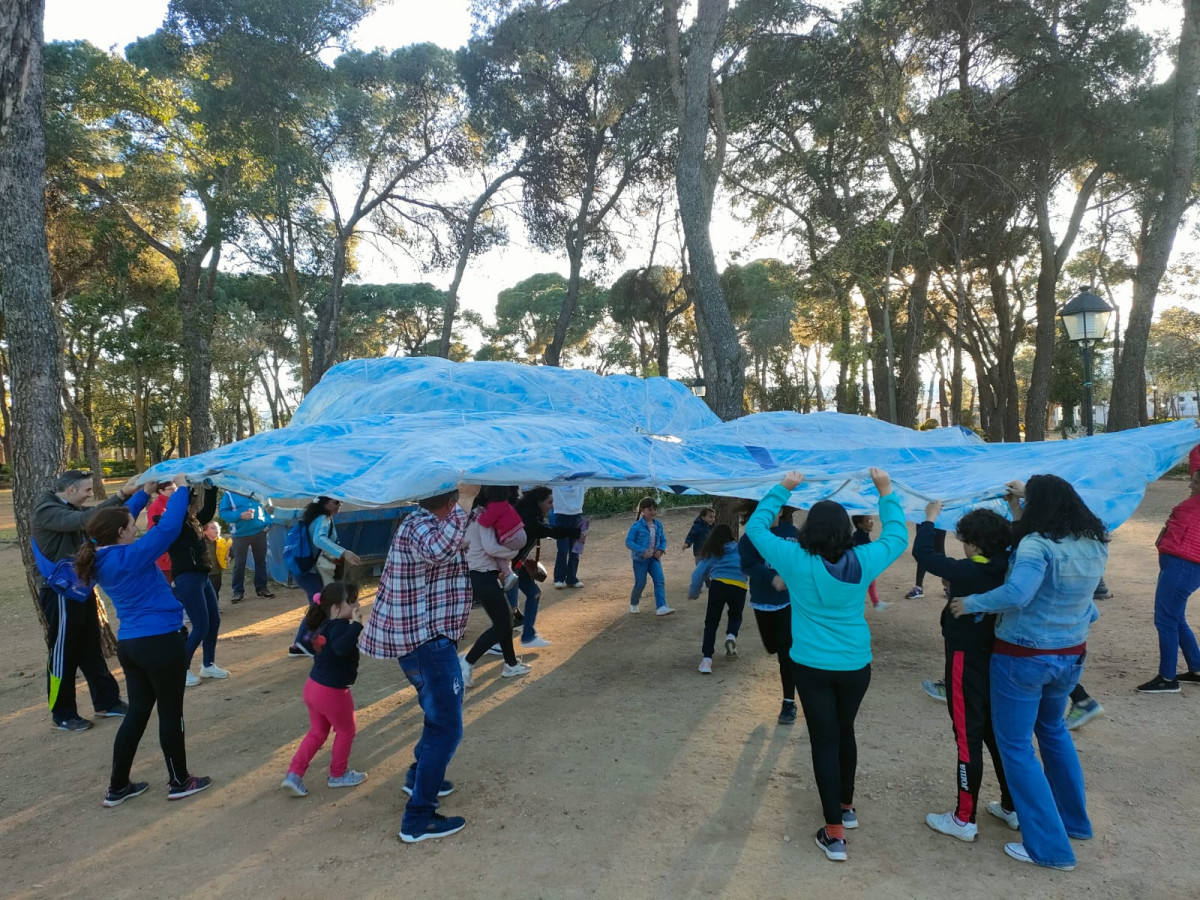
<point x="334" y="618"/>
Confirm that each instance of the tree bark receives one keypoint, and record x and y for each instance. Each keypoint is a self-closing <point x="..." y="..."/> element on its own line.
<point x="1155" y="251"/>
<point x="37" y="426"/>
<point x="908" y="388"/>
<point x="699" y="106"/>
<point x="196" y="313"/>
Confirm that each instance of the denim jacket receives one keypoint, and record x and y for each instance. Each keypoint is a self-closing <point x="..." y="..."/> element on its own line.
<point x="639" y="539"/>
<point x="1046" y="603"/>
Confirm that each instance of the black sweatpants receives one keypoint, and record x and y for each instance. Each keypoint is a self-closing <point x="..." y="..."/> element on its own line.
<point x="968" y="700"/>
<point x="73" y="639"/>
<point x="155" y="669"/>
<point x="720" y="596"/>
<point x="775" y="628"/>
<point x="830" y="700"/>
<point x="486" y="588"/>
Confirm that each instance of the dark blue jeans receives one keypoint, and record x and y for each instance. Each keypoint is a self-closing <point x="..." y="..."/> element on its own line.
<point x="1178" y="579"/>
<point x="195" y="591"/>
<point x="433" y="669"/>
<point x="310" y="582"/>
<point x="533" y="594"/>
<point x="566" y="563"/>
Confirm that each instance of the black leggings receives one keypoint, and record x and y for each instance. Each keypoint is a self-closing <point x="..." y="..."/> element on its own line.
<point x="939" y="544"/>
<point x="490" y="595"/>
<point x="775" y="628"/>
<point x="155" y="668"/>
<point x="830" y="700"/>
<point x="720" y="596"/>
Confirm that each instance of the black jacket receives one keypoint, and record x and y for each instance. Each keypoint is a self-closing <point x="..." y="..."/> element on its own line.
<point x="336" y="664"/>
<point x="58" y="526"/>
<point x="965" y="577"/>
<point x="190" y="553"/>
<point x="536" y="529"/>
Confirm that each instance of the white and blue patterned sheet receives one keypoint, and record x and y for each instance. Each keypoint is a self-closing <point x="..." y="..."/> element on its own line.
<point x="379" y="432"/>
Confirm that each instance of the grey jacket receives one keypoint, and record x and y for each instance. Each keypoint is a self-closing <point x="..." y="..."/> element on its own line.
<point x="58" y="526"/>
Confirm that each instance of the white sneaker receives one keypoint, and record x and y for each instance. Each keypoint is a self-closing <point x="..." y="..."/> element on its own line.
<point x="946" y="823"/>
<point x="1008" y="818"/>
<point x="495" y="650"/>
<point x="577" y="584"/>
<point x="663" y="611"/>
<point x="1018" y="852"/>
<point x="465" y="667"/>
<point x="512" y="671"/>
<point x="213" y="671"/>
<point x="191" y="680"/>
<point x="706" y="665"/>
<point x="633" y="608"/>
<point x="559" y="585"/>
<point x="511" y="581"/>
<point x="538" y="641"/>
<point x="883" y="606"/>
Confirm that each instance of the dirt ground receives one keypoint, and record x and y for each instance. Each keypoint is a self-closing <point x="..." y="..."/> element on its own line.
<point x="614" y="770"/>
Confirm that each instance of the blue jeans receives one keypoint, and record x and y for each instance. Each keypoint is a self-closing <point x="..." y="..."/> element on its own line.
<point x="1029" y="696"/>
<point x="1178" y="579"/>
<point x="195" y="592"/>
<point x="653" y="568"/>
<point x="566" y="563"/>
<point x="533" y="594"/>
<point x="311" y="583"/>
<point x="434" y="671"/>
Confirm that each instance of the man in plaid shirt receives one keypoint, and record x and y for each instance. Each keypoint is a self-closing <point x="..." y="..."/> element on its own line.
<point x="419" y="615"/>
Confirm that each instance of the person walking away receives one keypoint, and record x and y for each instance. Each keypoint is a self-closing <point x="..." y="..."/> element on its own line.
<point x="863" y="526"/>
<point x="1178" y="578"/>
<point x="985" y="536"/>
<point x="568" y="513"/>
<point x="826" y="576"/>
<point x="720" y="567"/>
<point x="419" y="616"/>
<point x="771" y="604"/>
<point x="151" y="640"/>
<point x="335" y="620"/>
<point x="191" y="563"/>
<point x="73" y="629"/>
<point x="1045" y="609"/>
<point x="647" y="542"/>
<point x="248" y="523"/>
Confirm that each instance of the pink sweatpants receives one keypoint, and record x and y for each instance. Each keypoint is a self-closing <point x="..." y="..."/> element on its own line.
<point x="327" y="707"/>
<point x="873" y="594"/>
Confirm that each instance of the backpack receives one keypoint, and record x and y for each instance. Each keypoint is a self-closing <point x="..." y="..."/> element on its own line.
<point x="298" y="553"/>
<point x="61" y="576"/>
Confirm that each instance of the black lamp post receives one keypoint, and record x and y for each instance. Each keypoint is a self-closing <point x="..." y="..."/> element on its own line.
<point x="1085" y="317"/>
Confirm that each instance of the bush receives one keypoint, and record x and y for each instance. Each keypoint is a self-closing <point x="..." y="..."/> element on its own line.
<point x="623" y="501"/>
<point x="929" y="425"/>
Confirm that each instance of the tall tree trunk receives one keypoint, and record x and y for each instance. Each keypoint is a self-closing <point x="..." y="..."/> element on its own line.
<point x="292" y="282"/>
<point x="846" y="340"/>
<point x="698" y="100"/>
<point x="553" y="353"/>
<point x="1155" y="250"/>
<point x="37" y="426"/>
<point x="199" y="320"/>
<point x="329" y="311"/>
<point x="908" y="388"/>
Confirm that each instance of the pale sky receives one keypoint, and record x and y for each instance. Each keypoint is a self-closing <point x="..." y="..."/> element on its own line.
<point x="448" y="23"/>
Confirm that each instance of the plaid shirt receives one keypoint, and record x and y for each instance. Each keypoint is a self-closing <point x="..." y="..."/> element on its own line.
<point x="424" y="590"/>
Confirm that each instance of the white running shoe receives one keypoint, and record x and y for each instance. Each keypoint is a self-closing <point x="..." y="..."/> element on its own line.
<point x="633" y="608"/>
<point x="559" y="585"/>
<point x="191" y="680"/>
<point x="1008" y="818"/>
<point x="213" y="671"/>
<point x="536" y="641"/>
<point x="466" y="668"/>
<point x="663" y="611"/>
<point x="706" y="665"/>
<point x="512" y="671"/>
<point x="946" y="823"/>
<point x="883" y="606"/>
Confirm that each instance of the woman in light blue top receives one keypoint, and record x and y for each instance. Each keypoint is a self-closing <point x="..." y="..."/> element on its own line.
<point x="1044" y="612"/>
<point x="322" y="535"/>
<point x="827" y="576"/>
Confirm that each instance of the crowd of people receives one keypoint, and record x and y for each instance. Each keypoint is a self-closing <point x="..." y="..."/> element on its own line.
<point x="1019" y="605"/>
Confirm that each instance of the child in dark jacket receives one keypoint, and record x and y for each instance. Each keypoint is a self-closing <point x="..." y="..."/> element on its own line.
<point x="336" y="621"/>
<point x="863" y="526"/>
<point x="721" y="566"/>
<point x="191" y="564"/>
<point x="985" y="536"/>
<point x="701" y="528"/>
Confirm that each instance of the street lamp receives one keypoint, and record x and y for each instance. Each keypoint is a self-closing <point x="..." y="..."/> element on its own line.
<point x="697" y="387"/>
<point x="1085" y="317"/>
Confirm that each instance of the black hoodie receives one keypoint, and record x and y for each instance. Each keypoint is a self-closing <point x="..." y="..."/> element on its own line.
<point x="965" y="576"/>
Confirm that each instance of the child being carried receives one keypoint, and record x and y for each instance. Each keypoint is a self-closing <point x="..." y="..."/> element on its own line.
<point x="504" y="523"/>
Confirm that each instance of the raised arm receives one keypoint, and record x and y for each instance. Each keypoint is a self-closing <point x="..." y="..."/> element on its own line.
<point x="439" y="542"/>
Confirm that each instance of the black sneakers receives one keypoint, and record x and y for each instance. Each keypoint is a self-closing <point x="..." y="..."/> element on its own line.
<point x="193" y="784"/>
<point x="1159" y="685"/>
<point x="1188" y="677"/>
<point x="835" y="848"/>
<point x="116" y="798"/>
<point x="236" y="598"/>
<point x="75" y="723"/>
<point x="116" y="711"/>
<point x="787" y="715"/>
<point x="265" y="594"/>
<point x="439" y="826"/>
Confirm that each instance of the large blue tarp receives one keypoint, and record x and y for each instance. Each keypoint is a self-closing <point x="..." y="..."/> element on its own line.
<point x="376" y="432"/>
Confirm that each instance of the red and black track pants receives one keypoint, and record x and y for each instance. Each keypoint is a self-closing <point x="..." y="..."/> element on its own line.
<point x="968" y="691"/>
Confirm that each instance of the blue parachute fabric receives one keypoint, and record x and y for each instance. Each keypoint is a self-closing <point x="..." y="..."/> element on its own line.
<point x="382" y="431"/>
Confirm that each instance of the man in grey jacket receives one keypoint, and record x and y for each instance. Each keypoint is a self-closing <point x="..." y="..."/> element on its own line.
<point x="73" y="628"/>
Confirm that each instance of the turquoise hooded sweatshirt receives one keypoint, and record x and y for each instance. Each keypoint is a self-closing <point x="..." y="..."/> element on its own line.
<point x="829" y="623"/>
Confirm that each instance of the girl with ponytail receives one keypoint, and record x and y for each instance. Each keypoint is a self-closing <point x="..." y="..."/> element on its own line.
<point x="334" y="619"/>
<point x="151" y="641"/>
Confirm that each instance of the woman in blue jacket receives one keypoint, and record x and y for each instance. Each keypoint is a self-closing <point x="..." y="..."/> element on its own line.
<point x="827" y="576"/>
<point x="151" y="641"/>
<point x="721" y="564"/>
<point x="1044" y="612"/>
